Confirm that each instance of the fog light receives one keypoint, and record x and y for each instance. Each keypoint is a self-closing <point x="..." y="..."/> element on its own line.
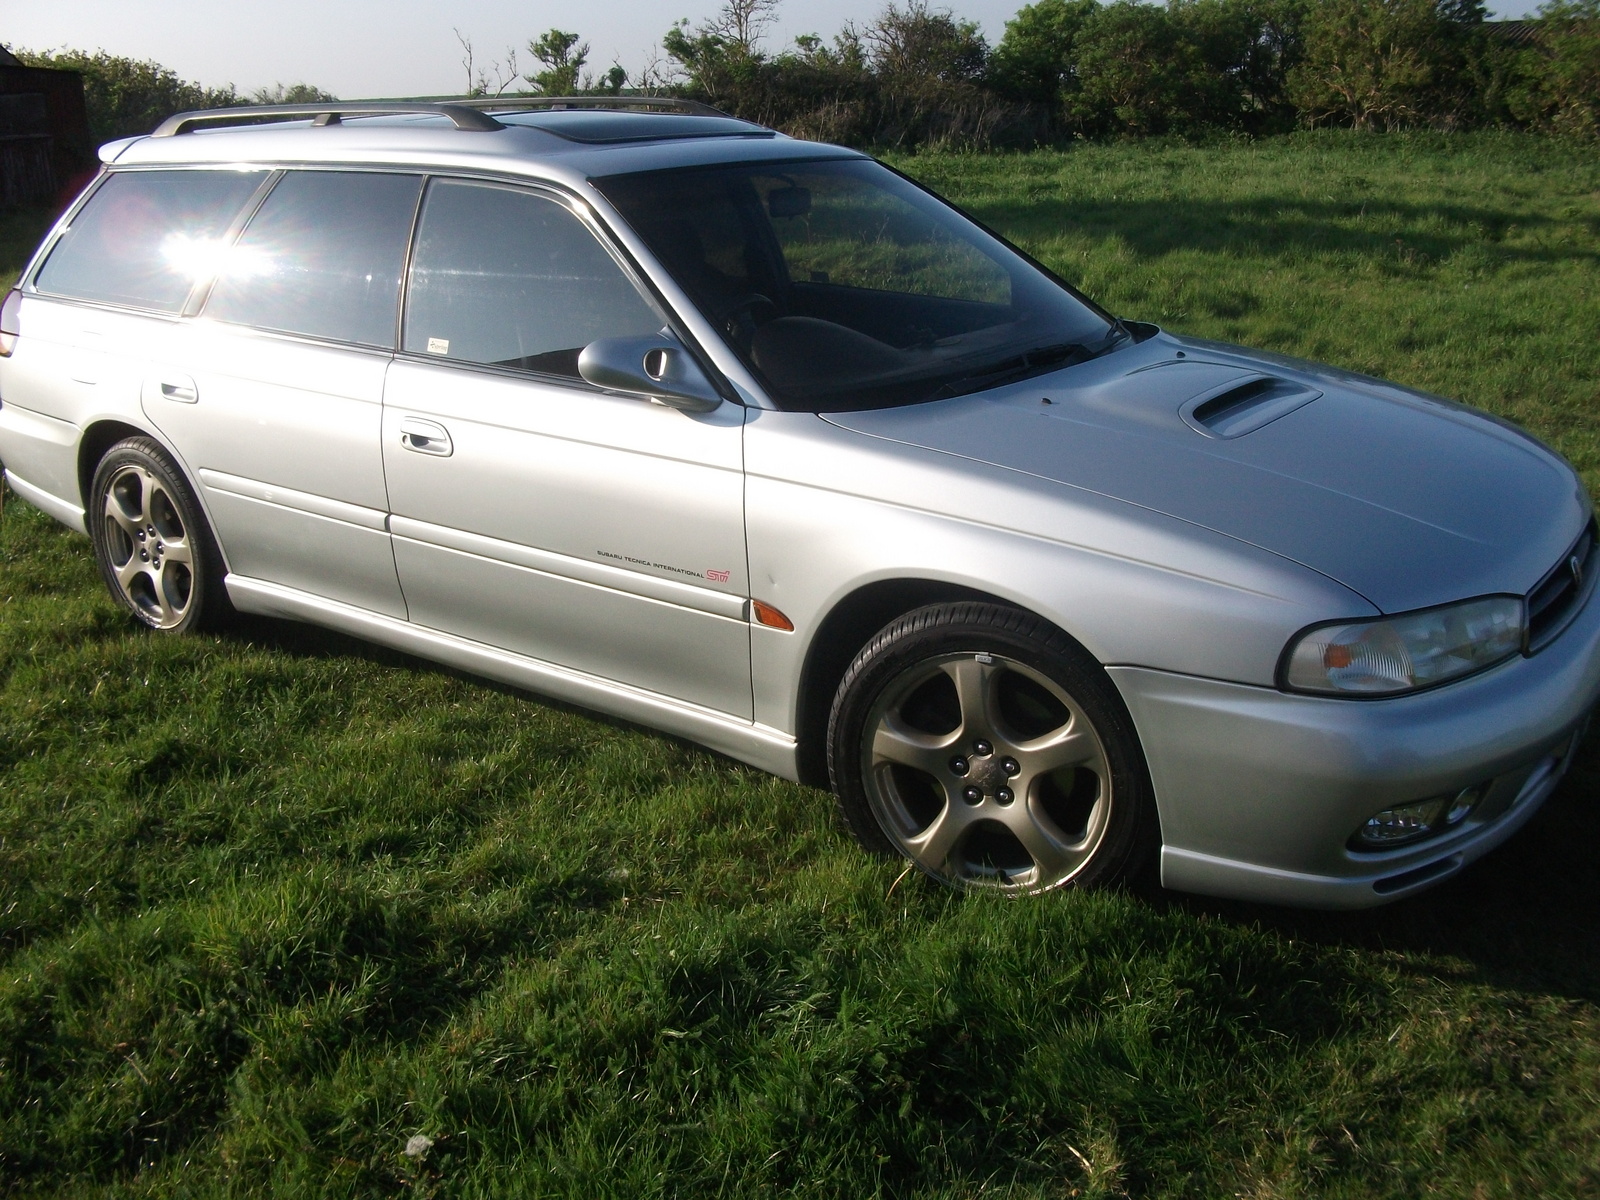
<point x="1465" y="801"/>
<point x="1411" y="822"/>
<point x="1402" y="823"/>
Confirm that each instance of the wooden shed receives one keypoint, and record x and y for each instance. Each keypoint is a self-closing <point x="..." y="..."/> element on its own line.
<point x="44" y="132"/>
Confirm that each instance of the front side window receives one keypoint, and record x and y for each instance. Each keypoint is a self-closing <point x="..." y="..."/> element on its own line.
<point x="511" y="278"/>
<point x="146" y="237"/>
<point x="843" y="285"/>
<point x="322" y="258"/>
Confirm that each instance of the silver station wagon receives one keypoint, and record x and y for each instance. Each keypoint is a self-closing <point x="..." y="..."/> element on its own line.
<point x="756" y="441"/>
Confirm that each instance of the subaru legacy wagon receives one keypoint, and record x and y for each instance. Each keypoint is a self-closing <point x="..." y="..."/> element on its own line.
<point x="756" y="441"/>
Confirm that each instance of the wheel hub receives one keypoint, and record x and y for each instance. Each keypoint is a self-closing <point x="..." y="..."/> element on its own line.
<point x="988" y="774"/>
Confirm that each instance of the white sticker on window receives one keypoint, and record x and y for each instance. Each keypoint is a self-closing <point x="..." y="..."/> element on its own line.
<point x="438" y="345"/>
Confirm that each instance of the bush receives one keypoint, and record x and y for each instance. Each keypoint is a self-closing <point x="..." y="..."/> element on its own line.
<point x="1388" y="64"/>
<point x="1560" y="75"/>
<point x="914" y="76"/>
<point x="125" y="96"/>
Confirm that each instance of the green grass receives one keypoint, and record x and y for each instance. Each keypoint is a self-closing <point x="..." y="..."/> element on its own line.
<point x="275" y="902"/>
<point x="1466" y="266"/>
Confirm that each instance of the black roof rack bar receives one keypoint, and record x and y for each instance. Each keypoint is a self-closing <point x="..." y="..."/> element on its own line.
<point x="647" y="103"/>
<point x="461" y="116"/>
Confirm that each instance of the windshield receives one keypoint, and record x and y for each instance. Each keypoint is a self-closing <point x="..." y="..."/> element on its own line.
<point x="844" y="286"/>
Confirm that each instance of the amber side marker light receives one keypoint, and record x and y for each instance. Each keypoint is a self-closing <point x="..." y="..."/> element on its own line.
<point x="10" y="327"/>
<point x="767" y="615"/>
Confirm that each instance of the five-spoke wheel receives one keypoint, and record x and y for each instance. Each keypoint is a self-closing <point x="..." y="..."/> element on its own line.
<point x="150" y="539"/>
<point x="990" y="750"/>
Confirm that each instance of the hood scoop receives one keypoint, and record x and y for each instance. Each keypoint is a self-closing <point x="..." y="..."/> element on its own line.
<point x="1243" y="405"/>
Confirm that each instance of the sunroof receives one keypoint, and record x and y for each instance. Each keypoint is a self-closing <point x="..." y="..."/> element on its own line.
<point x="600" y="126"/>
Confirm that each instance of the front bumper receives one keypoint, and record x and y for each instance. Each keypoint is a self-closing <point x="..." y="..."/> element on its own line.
<point x="1259" y="791"/>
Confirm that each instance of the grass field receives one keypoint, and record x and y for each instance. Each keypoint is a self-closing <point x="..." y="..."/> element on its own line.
<point x="274" y="903"/>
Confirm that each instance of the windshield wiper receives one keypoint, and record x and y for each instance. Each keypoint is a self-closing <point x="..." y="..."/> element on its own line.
<point x="1030" y="362"/>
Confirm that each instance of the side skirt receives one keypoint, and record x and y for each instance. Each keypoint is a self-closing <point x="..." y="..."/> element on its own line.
<point x="68" y="513"/>
<point x="758" y="745"/>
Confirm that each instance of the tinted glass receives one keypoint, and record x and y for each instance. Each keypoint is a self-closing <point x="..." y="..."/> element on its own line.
<point x="843" y="285"/>
<point x="838" y="229"/>
<point x="145" y="236"/>
<point x="322" y="257"/>
<point x="513" y="279"/>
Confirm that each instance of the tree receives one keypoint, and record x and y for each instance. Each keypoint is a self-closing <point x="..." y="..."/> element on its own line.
<point x="1036" y="59"/>
<point x="505" y="72"/>
<point x="743" y="23"/>
<point x="1386" y="64"/>
<point x="1137" y="72"/>
<point x="1571" y="80"/>
<point x="920" y="43"/>
<point x="295" y="93"/>
<point x="563" y="56"/>
<point x="1247" y="48"/>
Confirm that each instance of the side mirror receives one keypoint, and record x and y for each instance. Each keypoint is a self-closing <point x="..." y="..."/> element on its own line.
<point x="657" y="367"/>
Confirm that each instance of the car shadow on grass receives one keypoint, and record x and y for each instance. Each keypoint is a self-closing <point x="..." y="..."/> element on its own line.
<point x="300" y="640"/>
<point x="1523" y="917"/>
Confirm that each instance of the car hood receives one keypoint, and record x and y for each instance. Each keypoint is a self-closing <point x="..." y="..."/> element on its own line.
<point x="1405" y="498"/>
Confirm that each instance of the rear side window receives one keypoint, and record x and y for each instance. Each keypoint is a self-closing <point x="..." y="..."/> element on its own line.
<point x="145" y="237"/>
<point x="322" y="257"/>
<point x="514" y="279"/>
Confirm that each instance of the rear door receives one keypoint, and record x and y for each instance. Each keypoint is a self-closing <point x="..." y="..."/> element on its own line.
<point x="531" y="511"/>
<point x="274" y="394"/>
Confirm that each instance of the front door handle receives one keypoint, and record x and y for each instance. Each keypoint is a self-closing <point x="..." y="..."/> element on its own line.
<point x="425" y="437"/>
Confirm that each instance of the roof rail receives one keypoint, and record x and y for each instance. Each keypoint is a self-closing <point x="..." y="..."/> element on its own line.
<point x="329" y="113"/>
<point x="674" y="104"/>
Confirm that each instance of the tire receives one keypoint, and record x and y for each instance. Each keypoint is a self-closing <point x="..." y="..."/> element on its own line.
<point x="155" y="550"/>
<point x="993" y="752"/>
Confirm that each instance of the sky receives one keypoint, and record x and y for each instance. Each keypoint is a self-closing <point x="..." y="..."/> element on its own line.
<point x="360" y="48"/>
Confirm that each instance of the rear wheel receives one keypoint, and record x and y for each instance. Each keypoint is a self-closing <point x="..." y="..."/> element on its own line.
<point x="155" y="550"/>
<point x="991" y="750"/>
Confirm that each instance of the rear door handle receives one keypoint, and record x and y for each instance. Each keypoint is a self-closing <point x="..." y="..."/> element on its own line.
<point x="425" y="437"/>
<point x="179" y="389"/>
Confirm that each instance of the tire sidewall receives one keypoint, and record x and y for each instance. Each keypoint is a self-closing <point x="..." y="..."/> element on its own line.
<point x="974" y="628"/>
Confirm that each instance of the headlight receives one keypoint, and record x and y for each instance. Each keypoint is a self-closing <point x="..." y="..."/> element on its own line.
<point x="1402" y="654"/>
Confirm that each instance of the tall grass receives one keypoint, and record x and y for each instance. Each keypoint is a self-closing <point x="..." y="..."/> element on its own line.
<point x="276" y="904"/>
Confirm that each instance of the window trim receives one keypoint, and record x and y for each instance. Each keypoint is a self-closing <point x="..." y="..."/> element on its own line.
<point x="201" y="291"/>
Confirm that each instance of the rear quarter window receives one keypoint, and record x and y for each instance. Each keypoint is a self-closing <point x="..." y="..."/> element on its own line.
<point x="145" y="237"/>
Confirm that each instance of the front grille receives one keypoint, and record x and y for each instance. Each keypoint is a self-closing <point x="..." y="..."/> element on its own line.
<point x="1555" y="600"/>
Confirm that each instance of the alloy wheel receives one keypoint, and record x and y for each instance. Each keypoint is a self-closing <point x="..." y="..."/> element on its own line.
<point x="987" y="773"/>
<point x="148" y="547"/>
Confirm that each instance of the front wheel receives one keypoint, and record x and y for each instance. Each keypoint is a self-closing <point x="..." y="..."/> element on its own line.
<point x="991" y="750"/>
<point x="151" y="540"/>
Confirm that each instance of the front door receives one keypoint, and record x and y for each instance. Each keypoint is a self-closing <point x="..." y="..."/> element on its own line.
<point x="531" y="511"/>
